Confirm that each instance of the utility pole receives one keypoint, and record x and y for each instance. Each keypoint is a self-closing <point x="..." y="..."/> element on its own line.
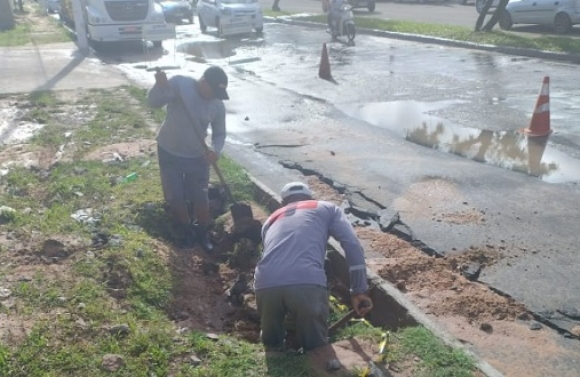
<point x="80" y="26"/>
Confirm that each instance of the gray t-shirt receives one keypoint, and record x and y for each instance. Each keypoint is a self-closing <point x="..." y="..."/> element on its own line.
<point x="177" y="135"/>
<point x="295" y="239"/>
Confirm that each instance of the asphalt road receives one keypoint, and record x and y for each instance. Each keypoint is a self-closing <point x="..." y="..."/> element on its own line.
<point x="390" y="99"/>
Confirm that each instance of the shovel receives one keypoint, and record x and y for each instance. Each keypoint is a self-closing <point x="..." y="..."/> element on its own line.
<point x="242" y="214"/>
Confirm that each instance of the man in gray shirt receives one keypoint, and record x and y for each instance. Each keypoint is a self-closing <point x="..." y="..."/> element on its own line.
<point x="290" y="276"/>
<point x="183" y="162"/>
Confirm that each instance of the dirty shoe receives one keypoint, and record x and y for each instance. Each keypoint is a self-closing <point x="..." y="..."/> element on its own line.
<point x="201" y="233"/>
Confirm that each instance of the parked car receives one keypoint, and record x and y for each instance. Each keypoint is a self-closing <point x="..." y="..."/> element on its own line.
<point x="176" y="10"/>
<point x="230" y="16"/>
<point x="561" y="14"/>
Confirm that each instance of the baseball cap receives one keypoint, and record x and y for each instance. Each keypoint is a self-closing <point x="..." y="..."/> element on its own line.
<point x="295" y="188"/>
<point x="218" y="81"/>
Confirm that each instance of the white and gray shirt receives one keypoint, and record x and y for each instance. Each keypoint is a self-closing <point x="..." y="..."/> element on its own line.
<point x="177" y="135"/>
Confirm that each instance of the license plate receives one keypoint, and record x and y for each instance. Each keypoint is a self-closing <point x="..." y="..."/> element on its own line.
<point x="130" y="28"/>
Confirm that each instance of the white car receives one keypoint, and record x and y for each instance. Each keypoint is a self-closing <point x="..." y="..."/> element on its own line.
<point x="561" y="14"/>
<point x="230" y="16"/>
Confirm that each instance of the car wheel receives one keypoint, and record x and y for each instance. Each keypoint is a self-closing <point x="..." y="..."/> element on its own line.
<point x="259" y="29"/>
<point x="505" y="20"/>
<point x="202" y="26"/>
<point x="562" y="23"/>
<point x="372" y="6"/>
<point x="157" y="44"/>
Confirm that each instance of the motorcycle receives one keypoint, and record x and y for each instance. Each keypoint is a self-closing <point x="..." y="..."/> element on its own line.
<point x="341" y="21"/>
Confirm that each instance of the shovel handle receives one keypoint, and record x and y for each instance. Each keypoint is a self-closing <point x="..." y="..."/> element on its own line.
<point x="204" y="145"/>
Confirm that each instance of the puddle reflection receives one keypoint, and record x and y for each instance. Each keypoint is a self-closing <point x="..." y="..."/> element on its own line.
<point x="218" y="49"/>
<point x="508" y="149"/>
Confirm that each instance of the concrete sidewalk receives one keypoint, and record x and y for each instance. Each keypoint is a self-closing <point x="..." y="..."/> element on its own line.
<point x="57" y="66"/>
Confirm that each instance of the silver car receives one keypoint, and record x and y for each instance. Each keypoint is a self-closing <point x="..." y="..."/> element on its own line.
<point x="561" y="14"/>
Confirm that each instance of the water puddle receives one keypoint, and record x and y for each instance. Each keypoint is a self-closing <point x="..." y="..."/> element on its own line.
<point x="508" y="149"/>
<point x="202" y="51"/>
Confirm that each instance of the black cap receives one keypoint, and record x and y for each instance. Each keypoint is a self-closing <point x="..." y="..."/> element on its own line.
<point x="218" y="81"/>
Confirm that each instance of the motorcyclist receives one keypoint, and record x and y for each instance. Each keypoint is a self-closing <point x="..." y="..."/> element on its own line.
<point x="333" y="9"/>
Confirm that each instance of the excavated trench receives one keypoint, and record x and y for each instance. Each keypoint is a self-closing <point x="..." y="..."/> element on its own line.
<point x="387" y="220"/>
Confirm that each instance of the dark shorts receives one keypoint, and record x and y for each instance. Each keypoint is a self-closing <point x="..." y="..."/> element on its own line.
<point x="308" y="308"/>
<point x="183" y="179"/>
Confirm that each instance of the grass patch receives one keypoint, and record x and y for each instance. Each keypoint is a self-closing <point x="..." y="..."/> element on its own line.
<point x="68" y="309"/>
<point x="34" y="28"/>
<point x="459" y="33"/>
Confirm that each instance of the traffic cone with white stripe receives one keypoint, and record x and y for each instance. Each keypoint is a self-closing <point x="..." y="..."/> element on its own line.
<point x="540" y="123"/>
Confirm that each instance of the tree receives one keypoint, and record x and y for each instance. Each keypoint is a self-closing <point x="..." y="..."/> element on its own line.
<point x="6" y="16"/>
<point x="494" y="18"/>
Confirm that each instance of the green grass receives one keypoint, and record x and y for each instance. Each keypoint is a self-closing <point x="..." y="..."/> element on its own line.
<point x="27" y="31"/>
<point x="128" y="282"/>
<point x="459" y="33"/>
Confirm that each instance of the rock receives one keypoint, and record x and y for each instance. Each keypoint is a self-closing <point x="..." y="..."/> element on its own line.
<point x="486" y="327"/>
<point x="401" y="286"/>
<point x="120" y="330"/>
<point x="62" y="300"/>
<point x="212" y="336"/>
<point x="53" y="248"/>
<point x="534" y="325"/>
<point x="112" y="362"/>
<point x="247" y="118"/>
<point x="388" y="218"/>
<point x="332" y="153"/>
<point x="5" y="293"/>
<point x="333" y="365"/>
<point x="81" y="323"/>
<point x="81" y="306"/>
<point x="471" y="271"/>
<point x="524" y="316"/>
<point x="194" y="360"/>
<point x="575" y="331"/>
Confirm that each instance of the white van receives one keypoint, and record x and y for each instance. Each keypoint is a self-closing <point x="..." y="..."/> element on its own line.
<point x="116" y="20"/>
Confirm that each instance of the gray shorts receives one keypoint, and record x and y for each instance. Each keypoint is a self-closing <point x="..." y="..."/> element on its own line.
<point x="183" y="179"/>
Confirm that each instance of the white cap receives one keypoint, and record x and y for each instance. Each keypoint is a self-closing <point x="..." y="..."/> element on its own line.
<point x="295" y="188"/>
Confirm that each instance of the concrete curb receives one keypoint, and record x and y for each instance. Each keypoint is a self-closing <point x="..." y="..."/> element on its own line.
<point x="516" y="51"/>
<point x="390" y="305"/>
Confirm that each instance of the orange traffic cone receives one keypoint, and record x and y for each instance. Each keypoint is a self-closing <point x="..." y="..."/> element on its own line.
<point x="540" y="123"/>
<point x="324" y="68"/>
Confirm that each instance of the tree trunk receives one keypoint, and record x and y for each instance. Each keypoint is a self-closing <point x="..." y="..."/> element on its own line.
<point x="482" y="15"/>
<point x="495" y="17"/>
<point x="6" y="16"/>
